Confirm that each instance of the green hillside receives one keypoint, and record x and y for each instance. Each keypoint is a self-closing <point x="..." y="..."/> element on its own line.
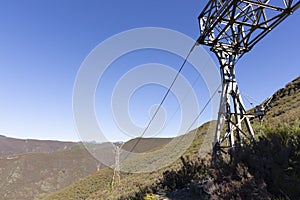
<point x="145" y="144"/>
<point x="30" y="175"/>
<point x="265" y="170"/>
<point x="284" y="107"/>
<point x="98" y="186"/>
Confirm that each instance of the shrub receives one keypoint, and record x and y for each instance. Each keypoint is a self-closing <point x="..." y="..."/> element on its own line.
<point x="275" y="160"/>
<point x="191" y="171"/>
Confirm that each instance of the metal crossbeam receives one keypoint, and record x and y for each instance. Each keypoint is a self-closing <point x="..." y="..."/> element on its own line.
<point x="231" y="28"/>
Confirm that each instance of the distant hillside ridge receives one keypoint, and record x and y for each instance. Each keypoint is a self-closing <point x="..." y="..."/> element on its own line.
<point x="13" y="146"/>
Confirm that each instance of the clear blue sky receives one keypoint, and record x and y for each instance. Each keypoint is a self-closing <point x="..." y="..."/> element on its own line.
<point x="43" y="43"/>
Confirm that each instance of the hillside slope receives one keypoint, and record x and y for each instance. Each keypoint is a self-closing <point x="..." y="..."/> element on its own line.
<point x="145" y="144"/>
<point x="33" y="168"/>
<point x="97" y="186"/>
<point x="284" y="108"/>
<point x="30" y="175"/>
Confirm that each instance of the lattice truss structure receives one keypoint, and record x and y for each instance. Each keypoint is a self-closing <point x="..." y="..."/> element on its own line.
<point x="231" y="28"/>
<point x="116" y="179"/>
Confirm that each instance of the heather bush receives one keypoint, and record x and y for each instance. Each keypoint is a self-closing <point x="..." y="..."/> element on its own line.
<point x="191" y="171"/>
<point x="272" y="163"/>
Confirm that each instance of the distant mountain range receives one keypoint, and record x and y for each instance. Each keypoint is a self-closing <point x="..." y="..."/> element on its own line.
<point x="12" y="146"/>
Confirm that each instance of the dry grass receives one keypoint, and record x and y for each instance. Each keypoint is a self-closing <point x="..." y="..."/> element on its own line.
<point x="97" y="186"/>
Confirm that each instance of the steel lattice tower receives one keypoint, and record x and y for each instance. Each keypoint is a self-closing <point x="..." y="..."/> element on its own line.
<point x="231" y="28"/>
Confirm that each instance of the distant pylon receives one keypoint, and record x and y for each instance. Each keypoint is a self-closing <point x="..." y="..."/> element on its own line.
<point x="116" y="176"/>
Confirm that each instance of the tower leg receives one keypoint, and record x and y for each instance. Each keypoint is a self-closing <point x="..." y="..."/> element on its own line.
<point x="233" y="112"/>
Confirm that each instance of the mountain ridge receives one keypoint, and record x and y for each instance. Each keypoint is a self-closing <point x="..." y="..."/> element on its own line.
<point x="12" y="146"/>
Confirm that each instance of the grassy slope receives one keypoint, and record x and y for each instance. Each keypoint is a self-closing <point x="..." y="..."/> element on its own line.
<point x="30" y="175"/>
<point x="145" y="144"/>
<point x="284" y="109"/>
<point x="33" y="168"/>
<point x="97" y="186"/>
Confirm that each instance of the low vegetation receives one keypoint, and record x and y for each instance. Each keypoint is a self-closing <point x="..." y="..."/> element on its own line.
<point x="267" y="169"/>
